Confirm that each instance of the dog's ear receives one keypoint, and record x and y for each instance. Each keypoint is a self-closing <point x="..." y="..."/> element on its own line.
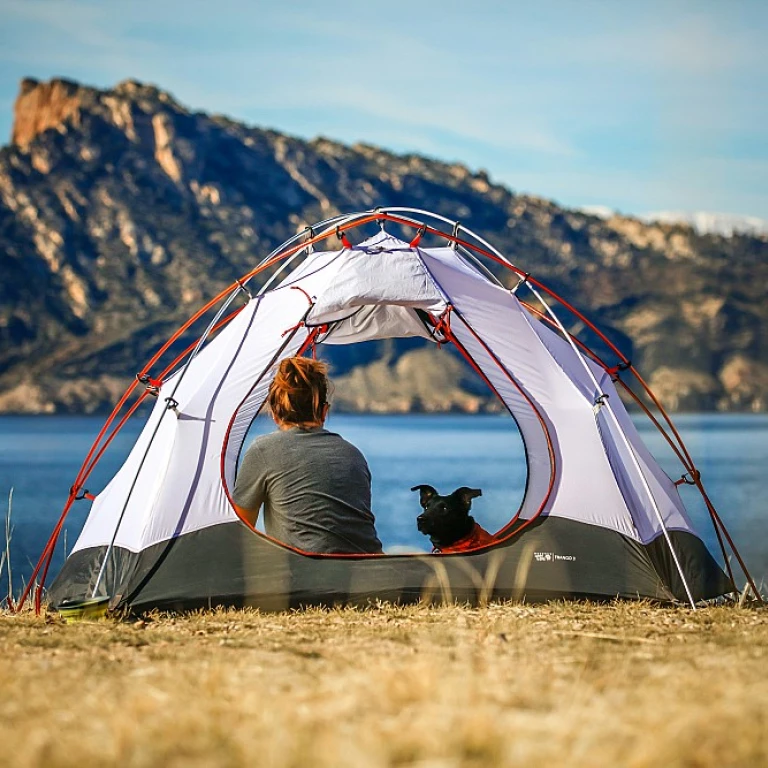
<point x="426" y="492"/>
<point x="465" y="495"/>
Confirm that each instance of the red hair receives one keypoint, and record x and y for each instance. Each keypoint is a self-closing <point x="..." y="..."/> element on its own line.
<point x="299" y="391"/>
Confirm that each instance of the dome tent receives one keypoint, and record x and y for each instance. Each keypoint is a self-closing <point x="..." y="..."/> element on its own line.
<point x="599" y="517"/>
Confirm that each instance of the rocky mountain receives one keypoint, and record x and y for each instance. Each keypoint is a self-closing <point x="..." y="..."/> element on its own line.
<point x="121" y="211"/>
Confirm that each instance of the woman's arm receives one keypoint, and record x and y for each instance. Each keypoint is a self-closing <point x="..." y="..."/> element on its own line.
<point x="250" y="486"/>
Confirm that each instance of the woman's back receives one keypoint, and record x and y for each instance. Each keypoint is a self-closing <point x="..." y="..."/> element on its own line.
<point x="315" y="486"/>
<point x="316" y="490"/>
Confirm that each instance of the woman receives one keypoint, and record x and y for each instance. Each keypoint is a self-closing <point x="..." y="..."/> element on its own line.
<point x="314" y="485"/>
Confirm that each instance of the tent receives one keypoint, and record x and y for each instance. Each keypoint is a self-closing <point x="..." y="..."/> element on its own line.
<point x="599" y="517"/>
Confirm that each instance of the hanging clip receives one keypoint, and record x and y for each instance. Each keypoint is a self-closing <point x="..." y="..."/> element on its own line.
<point x="344" y="241"/>
<point x="244" y="289"/>
<point x="80" y="493"/>
<point x="152" y="385"/>
<point x="415" y="242"/>
<point x="172" y="405"/>
<point x="443" y="326"/>
<point x="600" y="401"/>
<point x="521" y="281"/>
<point x="455" y="235"/>
<point x="689" y="478"/>
<point x="617" y="369"/>
<point x="310" y="237"/>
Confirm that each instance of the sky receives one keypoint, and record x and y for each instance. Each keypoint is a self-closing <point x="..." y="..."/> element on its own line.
<point x="637" y="106"/>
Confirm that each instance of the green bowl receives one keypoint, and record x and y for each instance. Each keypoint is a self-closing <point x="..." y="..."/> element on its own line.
<point x="83" y="610"/>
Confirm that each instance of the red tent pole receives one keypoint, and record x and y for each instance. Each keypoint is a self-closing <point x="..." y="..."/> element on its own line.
<point x="88" y="465"/>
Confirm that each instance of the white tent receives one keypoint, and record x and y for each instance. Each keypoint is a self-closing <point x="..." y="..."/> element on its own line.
<point x="599" y="516"/>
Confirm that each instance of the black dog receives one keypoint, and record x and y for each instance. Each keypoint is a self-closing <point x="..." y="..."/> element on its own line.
<point x="447" y="522"/>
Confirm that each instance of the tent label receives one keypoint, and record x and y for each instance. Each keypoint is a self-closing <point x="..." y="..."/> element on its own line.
<point x="549" y="557"/>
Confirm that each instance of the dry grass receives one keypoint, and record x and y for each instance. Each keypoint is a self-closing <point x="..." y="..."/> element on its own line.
<point x="562" y="684"/>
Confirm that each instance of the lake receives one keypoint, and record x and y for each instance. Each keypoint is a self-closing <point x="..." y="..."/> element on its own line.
<point x="40" y="456"/>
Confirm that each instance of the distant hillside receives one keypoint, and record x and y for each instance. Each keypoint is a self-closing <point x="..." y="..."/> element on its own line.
<point x="704" y="222"/>
<point x="121" y="211"/>
<point x="713" y="223"/>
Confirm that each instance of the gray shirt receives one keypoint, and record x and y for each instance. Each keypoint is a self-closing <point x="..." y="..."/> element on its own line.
<point x="315" y="488"/>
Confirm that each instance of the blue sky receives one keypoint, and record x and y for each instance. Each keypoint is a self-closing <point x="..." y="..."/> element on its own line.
<point x="639" y="106"/>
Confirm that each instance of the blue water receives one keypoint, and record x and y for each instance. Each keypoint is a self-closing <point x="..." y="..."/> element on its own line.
<point x="40" y="456"/>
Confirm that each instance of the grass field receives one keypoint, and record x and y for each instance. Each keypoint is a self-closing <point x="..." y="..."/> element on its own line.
<point x="628" y="684"/>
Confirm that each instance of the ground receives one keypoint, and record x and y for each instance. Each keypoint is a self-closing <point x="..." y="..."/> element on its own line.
<point x="576" y="684"/>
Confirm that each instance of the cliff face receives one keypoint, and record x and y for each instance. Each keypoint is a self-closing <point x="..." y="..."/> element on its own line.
<point x="40" y="106"/>
<point x="121" y="211"/>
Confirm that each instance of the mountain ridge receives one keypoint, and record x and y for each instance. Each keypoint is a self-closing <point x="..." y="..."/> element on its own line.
<point x="121" y="211"/>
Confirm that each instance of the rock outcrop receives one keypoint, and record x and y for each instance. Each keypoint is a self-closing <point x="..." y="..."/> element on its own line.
<point x="40" y="106"/>
<point x="121" y="211"/>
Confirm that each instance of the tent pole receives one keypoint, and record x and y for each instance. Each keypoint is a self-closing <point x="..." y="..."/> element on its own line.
<point x="287" y="253"/>
<point x="330" y="221"/>
<point x="469" y="256"/>
<point x="238" y="287"/>
<point x="689" y="467"/>
<point x="593" y="355"/>
<point x="597" y="389"/>
<point x="391" y="214"/>
<point x="718" y="522"/>
<point x="282" y="267"/>
<point x="169" y="400"/>
<point x="465" y="353"/>
<point x="627" y="444"/>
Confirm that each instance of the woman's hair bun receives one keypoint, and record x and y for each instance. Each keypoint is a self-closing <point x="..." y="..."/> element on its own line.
<point x="299" y="391"/>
